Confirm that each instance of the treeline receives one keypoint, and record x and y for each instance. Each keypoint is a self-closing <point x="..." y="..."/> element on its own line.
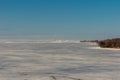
<point x="109" y="43"/>
<point x="89" y="41"/>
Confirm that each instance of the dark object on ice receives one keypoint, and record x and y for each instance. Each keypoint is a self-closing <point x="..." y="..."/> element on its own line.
<point x="53" y="77"/>
<point x="66" y="77"/>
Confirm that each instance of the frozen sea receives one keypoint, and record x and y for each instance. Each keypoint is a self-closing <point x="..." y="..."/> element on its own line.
<point x="57" y="60"/>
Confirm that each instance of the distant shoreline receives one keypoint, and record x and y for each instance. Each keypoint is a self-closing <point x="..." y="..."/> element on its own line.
<point x="107" y="43"/>
<point x="110" y="43"/>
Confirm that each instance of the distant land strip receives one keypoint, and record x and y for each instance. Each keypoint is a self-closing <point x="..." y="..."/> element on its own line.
<point x="107" y="43"/>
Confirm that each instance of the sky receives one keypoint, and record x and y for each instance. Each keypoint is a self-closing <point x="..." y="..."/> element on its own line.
<point x="59" y="19"/>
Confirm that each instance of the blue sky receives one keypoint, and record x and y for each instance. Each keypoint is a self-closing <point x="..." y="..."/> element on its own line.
<point x="60" y="19"/>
